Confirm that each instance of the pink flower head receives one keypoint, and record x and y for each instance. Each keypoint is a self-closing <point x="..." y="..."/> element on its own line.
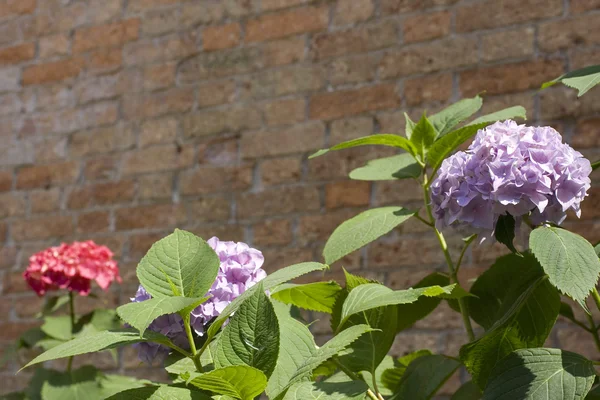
<point x="72" y="267"/>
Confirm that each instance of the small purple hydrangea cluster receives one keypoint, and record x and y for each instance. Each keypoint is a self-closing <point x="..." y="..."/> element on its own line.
<point x="239" y="270"/>
<point x="510" y="168"/>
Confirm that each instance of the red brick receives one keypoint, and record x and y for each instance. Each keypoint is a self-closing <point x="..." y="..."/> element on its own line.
<point x="579" y="6"/>
<point x="153" y="187"/>
<point x="47" y="175"/>
<point x="231" y="119"/>
<point x="402" y="6"/>
<point x="586" y="134"/>
<point x="95" y="221"/>
<point x="278" y="4"/>
<point x="509" y="77"/>
<point x="6" y="179"/>
<point x="507" y="44"/>
<point x="161" y="21"/>
<point x="221" y="37"/>
<point x="296" y="139"/>
<point x="286" y="23"/>
<point x="563" y="34"/>
<point x="350" y="128"/>
<point x="168" y="48"/>
<point x="216" y="179"/>
<point x="347" y="194"/>
<point x="157" y="158"/>
<point x="284" y="51"/>
<point x="220" y="150"/>
<point x="284" y="111"/>
<point x="428" y="88"/>
<point x="140" y="244"/>
<point x="113" y="192"/>
<point x="175" y="100"/>
<point x="17" y="7"/>
<point x="278" y="202"/>
<point x="101" y="168"/>
<point x="141" y="5"/>
<point x="159" y="76"/>
<point x="210" y="209"/>
<point x="318" y="228"/>
<point x="358" y="40"/>
<point x="54" y="45"/>
<point x="103" y="140"/>
<point x="338" y="165"/>
<point x="163" y="216"/>
<point x="361" y="68"/>
<point x="222" y="63"/>
<point x="43" y="201"/>
<point x="391" y="192"/>
<point x="275" y="232"/>
<point x="296" y="79"/>
<point x="17" y="54"/>
<point x="11" y="205"/>
<point x="105" y="60"/>
<point x="494" y="13"/>
<point x="276" y="259"/>
<point x="275" y="171"/>
<point x="426" y="27"/>
<point x="109" y="35"/>
<point x="42" y="228"/>
<point x="348" y="102"/>
<point x="352" y="11"/>
<point x="215" y="93"/>
<point x="53" y="71"/>
<point x="158" y="131"/>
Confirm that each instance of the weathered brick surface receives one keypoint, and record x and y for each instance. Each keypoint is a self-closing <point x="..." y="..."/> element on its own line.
<point x="122" y="120"/>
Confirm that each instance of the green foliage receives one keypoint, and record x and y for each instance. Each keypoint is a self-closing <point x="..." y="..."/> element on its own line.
<point x="449" y="118"/>
<point x="318" y="296"/>
<point x="58" y="327"/>
<point x="362" y="230"/>
<point x="240" y="382"/>
<point x="181" y="264"/>
<point x="383" y="139"/>
<point x="505" y="231"/>
<point x="401" y="166"/>
<point x="541" y="374"/>
<point x="582" y="79"/>
<point x="424" y="376"/>
<point x="162" y="392"/>
<point x="468" y="391"/>
<point x="516" y="112"/>
<point x="392" y="377"/>
<point x="335" y="388"/>
<point x="408" y="314"/>
<point x="569" y="260"/>
<point x="422" y="137"/>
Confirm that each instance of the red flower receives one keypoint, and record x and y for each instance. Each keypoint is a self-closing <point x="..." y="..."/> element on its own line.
<point x="72" y="267"/>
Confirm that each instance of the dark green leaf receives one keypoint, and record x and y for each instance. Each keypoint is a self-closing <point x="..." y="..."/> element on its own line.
<point x="505" y="231"/>
<point x="382" y="139"/>
<point x="385" y="365"/>
<point x="424" y="376"/>
<point x="447" y="119"/>
<point x="401" y="166"/>
<point x="392" y="377"/>
<point x="318" y="296"/>
<point x="468" y="391"/>
<point x="53" y="304"/>
<point x="408" y="314"/>
<point x="507" y="113"/>
<point x="595" y="165"/>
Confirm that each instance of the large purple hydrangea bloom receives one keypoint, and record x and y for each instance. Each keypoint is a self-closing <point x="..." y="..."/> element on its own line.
<point x="510" y="168"/>
<point x="240" y="269"/>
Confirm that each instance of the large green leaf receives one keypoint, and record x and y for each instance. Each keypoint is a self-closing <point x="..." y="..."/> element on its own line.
<point x="385" y="365"/>
<point x="252" y="336"/>
<point x="272" y="280"/>
<point x="569" y="260"/>
<point x="401" y="166"/>
<point x="392" y="377"/>
<point x="541" y="374"/>
<point x="373" y="295"/>
<point x="99" y="342"/>
<point x="507" y="113"/>
<point x="468" y="391"/>
<point x="527" y="315"/>
<point x="408" y="314"/>
<point x="140" y="315"/>
<point x="296" y="344"/>
<point x="594" y="394"/>
<point x="159" y="393"/>
<point x="58" y="327"/>
<point x="582" y="79"/>
<point x="352" y="281"/>
<point x="318" y="296"/>
<point x="181" y="264"/>
<point x="382" y="139"/>
<point x="505" y="231"/>
<point x="362" y="230"/>
<point x="337" y="389"/>
<point x="424" y="376"/>
<point x="423" y="136"/>
<point x="240" y="381"/>
<point x="447" y="119"/>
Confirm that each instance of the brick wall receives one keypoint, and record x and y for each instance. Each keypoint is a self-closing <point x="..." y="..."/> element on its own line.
<point x="123" y="119"/>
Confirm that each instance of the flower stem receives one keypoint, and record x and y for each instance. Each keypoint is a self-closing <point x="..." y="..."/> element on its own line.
<point x="195" y="358"/>
<point x="453" y="272"/>
<point x="593" y="330"/>
<point x="464" y="250"/>
<point x="72" y="315"/>
<point x="596" y="297"/>
<point x="354" y="377"/>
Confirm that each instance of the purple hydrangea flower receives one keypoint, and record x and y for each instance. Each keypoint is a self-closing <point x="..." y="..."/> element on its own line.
<point x="510" y="168"/>
<point x="240" y="269"/>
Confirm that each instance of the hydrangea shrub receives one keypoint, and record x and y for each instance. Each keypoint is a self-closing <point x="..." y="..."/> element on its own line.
<point x="224" y="329"/>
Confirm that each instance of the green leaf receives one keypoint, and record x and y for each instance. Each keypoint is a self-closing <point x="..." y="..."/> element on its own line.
<point x="507" y="113"/>
<point x="181" y="264"/>
<point x="240" y="381"/>
<point x="392" y="377"/>
<point x="410" y="125"/>
<point x="352" y="281"/>
<point x="582" y="79"/>
<point x="296" y="344"/>
<point x="595" y="165"/>
<point x="362" y="230"/>
<point x="447" y="119"/>
<point x="525" y="322"/>
<point x="159" y="393"/>
<point x="447" y="144"/>
<point x="505" y="231"/>
<point x="327" y="390"/>
<point x="424" y="376"/>
<point x="140" y="315"/>
<point x="58" y="327"/>
<point x="53" y="304"/>
<point x="401" y="166"/>
<point x="382" y="139"/>
<point x="423" y="136"/>
<point x="594" y="394"/>
<point x="98" y="342"/>
<point x="569" y="260"/>
<point x="318" y="296"/>
<point x="468" y="391"/>
<point x="541" y="374"/>
<point x="408" y="314"/>
<point x="272" y="280"/>
<point x="385" y="365"/>
<point x="369" y="296"/>
<point x="252" y="336"/>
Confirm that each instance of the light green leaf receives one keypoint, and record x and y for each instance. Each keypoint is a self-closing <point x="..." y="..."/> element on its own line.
<point x="162" y="392"/>
<point x="408" y="314"/>
<point x="252" y="336"/>
<point x="541" y="374"/>
<point x="98" y="342"/>
<point x="401" y="166"/>
<point x="369" y="296"/>
<point x="382" y="139"/>
<point x="447" y="119"/>
<point x="58" y="327"/>
<point x="296" y="344"/>
<point x="507" y="113"/>
<point x="272" y="280"/>
<point x="181" y="264"/>
<point x="468" y="391"/>
<point x="424" y="376"/>
<point x="327" y="390"/>
<point x="362" y="230"/>
<point x="352" y="281"/>
<point x="240" y="381"/>
<point x="410" y="125"/>
<point x="582" y="79"/>
<point x="140" y="315"/>
<point x="447" y="144"/>
<point x="385" y="365"/>
<point x="569" y="260"/>
<point x="423" y="136"/>
<point x="318" y="296"/>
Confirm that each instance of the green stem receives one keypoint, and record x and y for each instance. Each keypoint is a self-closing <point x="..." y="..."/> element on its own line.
<point x="354" y="377"/>
<point x="72" y="315"/>
<point x="195" y="357"/>
<point x="453" y="272"/>
<point x="596" y="297"/>
<point x="464" y="250"/>
<point x="423" y="220"/>
<point x="593" y="330"/>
